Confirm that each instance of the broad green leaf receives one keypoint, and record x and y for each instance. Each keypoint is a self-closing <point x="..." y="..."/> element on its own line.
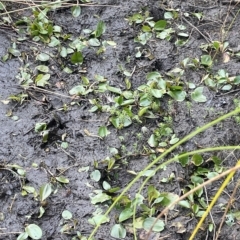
<point x="29" y="189"/>
<point x="40" y="127"/>
<point x="160" y="25"/>
<point x="118" y="231"/>
<point x="168" y="15"/>
<point x="197" y="159"/>
<point x="103" y="132"/>
<point x="114" y="90"/>
<point x="125" y="214"/>
<point x="152" y="141"/>
<point x="206" y="60"/>
<point x="43" y="68"/>
<point x="14" y="52"/>
<point x="45" y="191"/>
<point x="98" y="219"/>
<point x="185" y="204"/>
<point x="94" y="42"/>
<point x="157" y="93"/>
<point x="42" y="79"/>
<point x="22" y="236"/>
<point x="177" y="95"/>
<point x="197" y="95"/>
<point x="95" y="175"/>
<point x="184" y="160"/>
<point x="77" y="57"/>
<point x="106" y="185"/>
<point x="64" y="145"/>
<point x="62" y="179"/>
<point x="34" y="231"/>
<point x="78" y="90"/>
<point x="63" y="52"/>
<point x="66" y="215"/>
<point x="54" y="42"/>
<point x="100" y="198"/>
<point x="41" y="212"/>
<point x="43" y="57"/>
<point x="158" y="226"/>
<point x="76" y="11"/>
<point x="100" y="29"/>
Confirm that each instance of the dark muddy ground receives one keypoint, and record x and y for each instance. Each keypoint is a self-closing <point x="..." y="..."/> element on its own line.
<point x="21" y="145"/>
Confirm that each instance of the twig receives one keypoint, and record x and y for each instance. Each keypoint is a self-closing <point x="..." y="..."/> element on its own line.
<point x="166" y="209"/>
<point x="226" y="210"/>
<point x="14" y="198"/>
<point x="196" y="29"/>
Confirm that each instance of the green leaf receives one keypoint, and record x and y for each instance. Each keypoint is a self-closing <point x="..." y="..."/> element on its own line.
<point x="40" y="127"/>
<point x="185" y="204"/>
<point x="184" y="161"/>
<point x="158" y="226"/>
<point x="100" y="198"/>
<point x="168" y="15"/>
<point x="62" y="179"/>
<point x="160" y="25"/>
<point x="45" y="191"/>
<point x="78" y="90"/>
<point x="100" y="29"/>
<point x="22" y="236"/>
<point x="76" y="11"/>
<point x="177" y="95"/>
<point x="98" y="219"/>
<point x="197" y="159"/>
<point x="197" y="95"/>
<point x="103" y="132"/>
<point x="14" y="52"/>
<point x="95" y="175"/>
<point x="106" y="185"/>
<point x="66" y="215"/>
<point x="64" y="145"/>
<point x="42" y="79"/>
<point x="125" y="214"/>
<point x="157" y="93"/>
<point x="42" y="68"/>
<point x="34" y="231"/>
<point x="206" y="60"/>
<point x="43" y="57"/>
<point x="152" y="141"/>
<point x="118" y="231"/>
<point x="77" y="57"/>
<point x="41" y="212"/>
<point x="54" y="42"/>
<point x="63" y="52"/>
<point x="94" y="42"/>
<point x="114" y="90"/>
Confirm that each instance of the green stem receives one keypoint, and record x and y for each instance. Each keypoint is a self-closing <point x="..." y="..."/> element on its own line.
<point x="174" y="159"/>
<point x="189" y="136"/>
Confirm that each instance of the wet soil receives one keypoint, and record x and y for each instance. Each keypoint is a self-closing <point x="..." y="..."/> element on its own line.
<point x="21" y="145"/>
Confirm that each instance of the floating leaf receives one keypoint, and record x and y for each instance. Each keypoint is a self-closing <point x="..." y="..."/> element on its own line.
<point x="198" y="96"/>
<point x="118" y="231"/>
<point x="34" y="231"/>
<point x="66" y="215"/>
<point x="45" y="191"/>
